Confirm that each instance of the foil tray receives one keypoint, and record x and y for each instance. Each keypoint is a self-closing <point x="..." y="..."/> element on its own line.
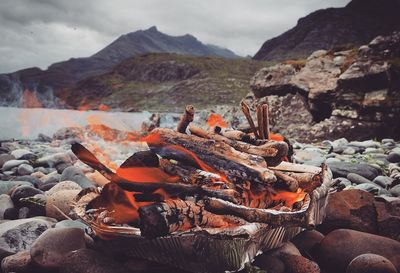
<point x="211" y="250"/>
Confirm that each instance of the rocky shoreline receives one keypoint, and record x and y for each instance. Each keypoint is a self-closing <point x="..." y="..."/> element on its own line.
<point x="40" y="178"/>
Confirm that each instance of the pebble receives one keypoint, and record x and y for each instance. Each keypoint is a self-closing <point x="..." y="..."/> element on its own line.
<point x="370" y="187"/>
<point x="341" y="246"/>
<point x="357" y="179"/>
<point x="4" y="158"/>
<point x="370" y="263"/>
<point x="5" y="203"/>
<point x="306" y="241"/>
<point x="64" y="185"/>
<point x="23" y="154"/>
<point x="60" y="200"/>
<point x="393" y="157"/>
<point x="395" y="190"/>
<point x="366" y="144"/>
<point x="13" y="163"/>
<point x="23" y="191"/>
<point x="24" y="169"/>
<point x="54" y="159"/>
<point x="53" y="177"/>
<point x="383" y="181"/>
<point x="387" y="140"/>
<point x="74" y="174"/>
<point x="50" y="249"/>
<point x="19" y="262"/>
<point x="6" y="186"/>
<point x="342" y="169"/>
<point x="20" y="234"/>
<point x="349" y="151"/>
<point x="73" y="224"/>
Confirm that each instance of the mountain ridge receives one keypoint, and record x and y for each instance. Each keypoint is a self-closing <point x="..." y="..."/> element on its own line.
<point x="357" y="23"/>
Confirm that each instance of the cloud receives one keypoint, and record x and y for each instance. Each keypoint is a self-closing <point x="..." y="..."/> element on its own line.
<point x="41" y="32"/>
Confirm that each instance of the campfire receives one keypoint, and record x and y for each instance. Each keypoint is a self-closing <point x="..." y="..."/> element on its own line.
<point x="218" y="186"/>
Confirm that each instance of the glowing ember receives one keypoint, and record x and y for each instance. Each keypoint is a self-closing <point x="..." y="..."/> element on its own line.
<point x="216" y="120"/>
<point x="289" y="198"/>
<point x="146" y="174"/>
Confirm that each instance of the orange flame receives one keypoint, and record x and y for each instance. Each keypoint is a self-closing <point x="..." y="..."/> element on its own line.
<point x="29" y="100"/>
<point x="146" y="174"/>
<point x="103" y="107"/>
<point x="216" y="120"/>
<point x="289" y="198"/>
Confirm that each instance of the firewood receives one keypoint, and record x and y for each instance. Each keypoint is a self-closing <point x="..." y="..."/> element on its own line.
<point x="290" y="181"/>
<point x="307" y="181"/>
<point x="299" y="168"/>
<point x="269" y="216"/>
<point x="260" y="121"/>
<point x="160" y="219"/>
<point x="246" y="112"/>
<point x="173" y="189"/>
<point x="237" y="166"/>
<point x="272" y="151"/>
<point x="186" y="118"/>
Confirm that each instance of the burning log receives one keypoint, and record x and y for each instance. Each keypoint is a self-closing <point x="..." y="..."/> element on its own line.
<point x="237" y="166"/>
<point x="263" y="121"/>
<point x="173" y="189"/>
<point x="290" y="181"/>
<point x="160" y="219"/>
<point x="306" y="181"/>
<point x="186" y="118"/>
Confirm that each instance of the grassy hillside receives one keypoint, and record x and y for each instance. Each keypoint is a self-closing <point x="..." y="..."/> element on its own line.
<point x="166" y="82"/>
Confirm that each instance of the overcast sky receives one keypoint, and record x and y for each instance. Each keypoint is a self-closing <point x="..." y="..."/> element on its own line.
<point x="41" y="32"/>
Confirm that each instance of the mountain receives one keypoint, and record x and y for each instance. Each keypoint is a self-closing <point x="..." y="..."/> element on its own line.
<point x="166" y="82"/>
<point x="64" y="74"/>
<point x="355" y="24"/>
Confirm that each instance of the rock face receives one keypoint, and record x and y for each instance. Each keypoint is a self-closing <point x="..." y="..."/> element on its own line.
<point x="352" y="94"/>
<point x="45" y="84"/>
<point x="357" y="23"/>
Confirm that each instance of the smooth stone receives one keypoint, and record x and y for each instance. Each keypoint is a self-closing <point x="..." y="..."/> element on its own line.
<point x="6" y="186"/>
<point x="342" y="169"/>
<point x="47" y="186"/>
<point x="60" y="200"/>
<point x="383" y="181"/>
<point x="349" y="151"/>
<point x="23" y="213"/>
<point x="370" y="263"/>
<point x="42" y="170"/>
<point x="88" y="260"/>
<point x="4" y="158"/>
<point x="20" y="262"/>
<point x="20" y="234"/>
<point x="53" y="177"/>
<point x="54" y="159"/>
<point x="387" y="140"/>
<point x="73" y="223"/>
<point x="395" y="190"/>
<point x="28" y="178"/>
<point x="13" y="163"/>
<point x="388" y="216"/>
<point x="344" y="182"/>
<point x="306" y="240"/>
<point x="5" y="203"/>
<point x="24" y="169"/>
<point x="269" y="263"/>
<point x="393" y="157"/>
<point x="357" y="179"/>
<point x="332" y="159"/>
<point x="64" y="185"/>
<point x="23" y="192"/>
<point x="352" y="209"/>
<point x="23" y="154"/>
<point x="62" y="166"/>
<point x="340" y="142"/>
<point x="373" y="151"/>
<point x="50" y="249"/>
<point x="299" y="264"/>
<point x="370" y="187"/>
<point x="341" y="246"/>
<point x="366" y="144"/>
<point x="74" y="174"/>
<point x="44" y="138"/>
<point x="11" y="213"/>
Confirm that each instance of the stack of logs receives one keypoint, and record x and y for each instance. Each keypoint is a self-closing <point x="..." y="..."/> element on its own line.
<point x="215" y="178"/>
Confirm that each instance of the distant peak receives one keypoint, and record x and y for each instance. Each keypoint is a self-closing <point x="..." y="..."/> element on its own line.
<point x="153" y="28"/>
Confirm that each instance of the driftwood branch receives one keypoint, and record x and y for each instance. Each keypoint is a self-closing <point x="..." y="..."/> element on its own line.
<point x="186" y="118"/>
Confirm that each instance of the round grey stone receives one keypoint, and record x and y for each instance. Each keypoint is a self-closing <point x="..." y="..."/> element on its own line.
<point x="383" y="181"/>
<point x="357" y="179"/>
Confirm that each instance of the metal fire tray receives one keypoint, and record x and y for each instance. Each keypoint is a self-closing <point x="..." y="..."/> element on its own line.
<point x="212" y="249"/>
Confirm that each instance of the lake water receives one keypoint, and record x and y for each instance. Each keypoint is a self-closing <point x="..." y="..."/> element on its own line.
<point x="27" y="123"/>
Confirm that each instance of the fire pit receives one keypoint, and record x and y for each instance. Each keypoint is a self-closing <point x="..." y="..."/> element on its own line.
<point x="208" y="201"/>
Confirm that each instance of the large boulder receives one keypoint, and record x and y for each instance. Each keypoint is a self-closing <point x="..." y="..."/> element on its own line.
<point x="341" y="246"/>
<point x="353" y="209"/>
